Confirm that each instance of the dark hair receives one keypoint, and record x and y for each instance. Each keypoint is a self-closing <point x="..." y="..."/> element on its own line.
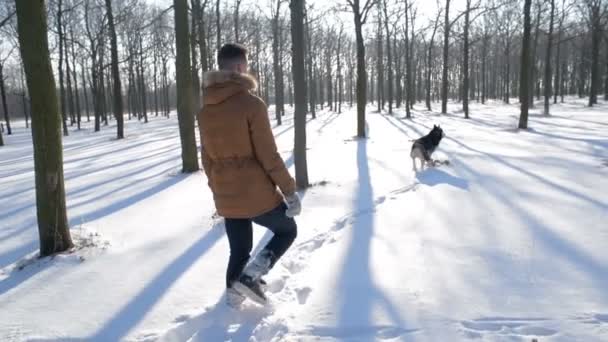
<point x="231" y="54"/>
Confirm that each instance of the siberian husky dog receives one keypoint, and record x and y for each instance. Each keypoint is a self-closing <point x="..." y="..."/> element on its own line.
<point x="424" y="147"/>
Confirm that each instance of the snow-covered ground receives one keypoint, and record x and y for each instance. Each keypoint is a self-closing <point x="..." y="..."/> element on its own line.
<point x="507" y="243"/>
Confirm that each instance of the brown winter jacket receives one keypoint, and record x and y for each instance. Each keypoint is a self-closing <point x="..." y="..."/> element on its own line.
<point x="239" y="153"/>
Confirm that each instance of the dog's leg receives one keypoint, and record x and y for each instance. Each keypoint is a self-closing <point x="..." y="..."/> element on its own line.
<point x="414" y="165"/>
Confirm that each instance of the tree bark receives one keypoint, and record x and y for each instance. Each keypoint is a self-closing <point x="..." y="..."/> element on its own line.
<point x="3" y="97"/>
<point x="389" y="61"/>
<point x="185" y="111"/>
<point x="524" y="81"/>
<point x="534" y="61"/>
<point x="196" y="82"/>
<point x="237" y="7"/>
<point x="297" y="58"/>
<point x="361" y="72"/>
<point x="558" y="70"/>
<point x="547" y="81"/>
<point x="278" y="74"/>
<point x="61" y="56"/>
<point x="444" y="79"/>
<point x="218" y="29"/>
<point x="202" y="36"/>
<point x="75" y="77"/>
<point x="596" y="36"/>
<point x="380" y="63"/>
<point x="408" y="64"/>
<point x="118" y="105"/>
<point x="465" y="64"/>
<point x="53" y="226"/>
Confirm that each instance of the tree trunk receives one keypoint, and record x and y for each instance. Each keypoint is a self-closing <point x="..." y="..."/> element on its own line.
<point x="218" y="30"/>
<point x="389" y="61"/>
<point x="340" y="90"/>
<point x="53" y="226"/>
<point x="534" y="61"/>
<point x="547" y="82"/>
<point x="380" y="65"/>
<point x="68" y="72"/>
<point x="558" y="70"/>
<point x="185" y="111"/>
<point x="328" y="74"/>
<point x="61" y="56"/>
<point x="444" y="79"/>
<point x="297" y="57"/>
<point x="606" y="77"/>
<point x="155" y="71"/>
<point x="3" y="97"/>
<point x="429" y="59"/>
<point x="202" y="36"/>
<point x="507" y="87"/>
<point x="196" y="82"/>
<point x="142" y="81"/>
<point x="408" y="64"/>
<point x="465" y="64"/>
<point x="361" y="73"/>
<point x="312" y="91"/>
<point x="525" y="67"/>
<point x="84" y="90"/>
<point x="118" y="105"/>
<point x="24" y="100"/>
<point x="596" y="36"/>
<point x="484" y="57"/>
<point x="278" y="76"/>
<point x="237" y="7"/>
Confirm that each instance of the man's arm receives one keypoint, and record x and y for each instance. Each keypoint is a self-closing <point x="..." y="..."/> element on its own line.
<point x="265" y="149"/>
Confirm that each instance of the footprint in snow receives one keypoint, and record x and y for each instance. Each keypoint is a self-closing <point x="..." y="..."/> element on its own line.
<point x="303" y="294"/>
<point x="505" y="326"/>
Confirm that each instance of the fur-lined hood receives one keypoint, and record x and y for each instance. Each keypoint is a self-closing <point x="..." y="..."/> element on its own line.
<point x="221" y="85"/>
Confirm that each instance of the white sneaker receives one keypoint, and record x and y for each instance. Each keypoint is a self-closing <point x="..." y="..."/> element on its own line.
<point x="234" y="298"/>
<point x="260" y="265"/>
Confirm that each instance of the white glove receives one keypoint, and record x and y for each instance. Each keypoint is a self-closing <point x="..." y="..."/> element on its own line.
<point x="294" y="206"/>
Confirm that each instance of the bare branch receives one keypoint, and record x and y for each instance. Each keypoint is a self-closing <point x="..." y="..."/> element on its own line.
<point x="6" y="20"/>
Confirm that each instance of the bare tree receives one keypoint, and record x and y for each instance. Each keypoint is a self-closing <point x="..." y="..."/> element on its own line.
<point x="297" y="58"/>
<point x="596" y="12"/>
<point x="429" y="58"/>
<point x="185" y="111"/>
<point x="446" y="41"/>
<point x="547" y="81"/>
<point x="237" y="7"/>
<point x="3" y="60"/>
<point x="389" y="57"/>
<point x="524" y="68"/>
<point x="360" y="14"/>
<point x="48" y="156"/>
<point x="276" y="59"/>
<point x="118" y="106"/>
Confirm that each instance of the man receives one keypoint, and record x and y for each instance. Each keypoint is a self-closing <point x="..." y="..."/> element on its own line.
<point x="244" y="170"/>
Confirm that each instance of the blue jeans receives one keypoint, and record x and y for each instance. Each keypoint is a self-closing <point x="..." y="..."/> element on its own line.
<point x="240" y="238"/>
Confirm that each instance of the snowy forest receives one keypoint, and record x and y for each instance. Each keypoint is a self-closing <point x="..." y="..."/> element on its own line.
<point x="100" y="160"/>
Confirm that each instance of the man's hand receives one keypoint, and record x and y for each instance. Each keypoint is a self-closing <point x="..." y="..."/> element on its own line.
<point x="294" y="206"/>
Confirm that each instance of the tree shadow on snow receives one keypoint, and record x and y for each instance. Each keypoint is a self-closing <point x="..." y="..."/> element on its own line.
<point x="218" y="323"/>
<point x="357" y="293"/>
<point x="134" y="312"/>
<point x="544" y="236"/>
